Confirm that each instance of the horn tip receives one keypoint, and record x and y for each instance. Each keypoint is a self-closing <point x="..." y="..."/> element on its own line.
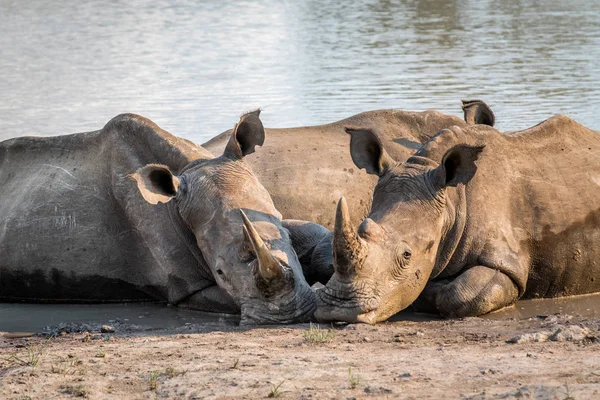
<point x="342" y="209"/>
<point x="244" y="217"/>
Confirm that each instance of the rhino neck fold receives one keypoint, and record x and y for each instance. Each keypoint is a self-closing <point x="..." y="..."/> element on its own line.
<point x="455" y="218"/>
<point x="186" y="235"/>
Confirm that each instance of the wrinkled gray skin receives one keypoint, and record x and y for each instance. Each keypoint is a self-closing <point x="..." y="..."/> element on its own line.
<point x="473" y="222"/>
<point x="133" y="213"/>
<point x="306" y="170"/>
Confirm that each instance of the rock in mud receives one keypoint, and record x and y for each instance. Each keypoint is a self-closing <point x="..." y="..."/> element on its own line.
<point x="568" y="333"/>
<point x="571" y="333"/>
<point x="529" y="337"/>
<point x="107" y="329"/>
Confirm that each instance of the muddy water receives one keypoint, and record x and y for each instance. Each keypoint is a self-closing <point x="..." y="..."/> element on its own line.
<point x="585" y="306"/>
<point x="36" y="317"/>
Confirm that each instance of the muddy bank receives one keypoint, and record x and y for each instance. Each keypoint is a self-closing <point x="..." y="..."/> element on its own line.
<point x="546" y="357"/>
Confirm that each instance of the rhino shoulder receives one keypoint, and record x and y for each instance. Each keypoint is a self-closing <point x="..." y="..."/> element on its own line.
<point x="141" y="131"/>
<point x="556" y="130"/>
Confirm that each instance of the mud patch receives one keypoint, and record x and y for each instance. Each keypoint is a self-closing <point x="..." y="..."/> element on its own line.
<point x="467" y="358"/>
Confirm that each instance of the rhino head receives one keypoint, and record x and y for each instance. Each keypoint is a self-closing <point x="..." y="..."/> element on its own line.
<point x="237" y="228"/>
<point x="382" y="266"/>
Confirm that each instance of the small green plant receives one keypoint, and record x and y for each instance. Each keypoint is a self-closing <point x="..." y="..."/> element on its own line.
<point x="317" y="335"/>
<point x="34" y="355"/>
<point x="153" y="380"/>
<point x="100" y="354"/>
<point x="275" y="390"/>
<point x="353" y="379"/>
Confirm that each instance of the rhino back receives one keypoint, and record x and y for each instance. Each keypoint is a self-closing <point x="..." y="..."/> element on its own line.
<point x="72" y="226"/>
<point x="307" y="169"/>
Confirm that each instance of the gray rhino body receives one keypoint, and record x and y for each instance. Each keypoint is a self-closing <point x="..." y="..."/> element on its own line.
<point x="93" y="217"/>
<point x="307" y="169"/>
<point x="473" y="222"/>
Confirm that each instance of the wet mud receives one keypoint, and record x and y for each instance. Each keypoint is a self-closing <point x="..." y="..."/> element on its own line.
<point x="37" y="318"/>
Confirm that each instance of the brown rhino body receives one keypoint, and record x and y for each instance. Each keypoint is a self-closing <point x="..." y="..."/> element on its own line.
<point x="307" y="169"/>
<point x="473" y="222"/>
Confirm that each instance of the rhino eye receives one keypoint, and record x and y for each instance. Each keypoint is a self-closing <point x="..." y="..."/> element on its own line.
<point x="245" y="255"/>
<point x="407" y="254"/>
<point x="222" y="275"/>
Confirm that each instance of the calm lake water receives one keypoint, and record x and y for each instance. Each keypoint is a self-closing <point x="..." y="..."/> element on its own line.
<point x="193" y="67"/>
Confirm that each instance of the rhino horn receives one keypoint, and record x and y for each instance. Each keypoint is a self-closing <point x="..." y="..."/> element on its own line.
<point x="268" y="266"/>
<point x="348" y="247"/>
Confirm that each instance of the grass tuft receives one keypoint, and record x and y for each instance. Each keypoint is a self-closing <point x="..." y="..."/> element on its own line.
<point x="153" y="380"/>
<point x="34" y="356"/>
<point x="275" y="390"/>
<point x="353" y="379"/>
<point x="65" y="366"/>
<point x="317" y="335"/>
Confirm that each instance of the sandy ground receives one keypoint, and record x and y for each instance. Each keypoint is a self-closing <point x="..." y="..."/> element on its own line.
<point x="555" y="357"/>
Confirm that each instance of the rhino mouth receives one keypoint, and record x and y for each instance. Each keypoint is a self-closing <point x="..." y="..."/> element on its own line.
<point x="296" y="309"/>
<point x="345" y="305"/>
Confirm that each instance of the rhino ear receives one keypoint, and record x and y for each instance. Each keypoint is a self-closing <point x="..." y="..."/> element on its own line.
<point x="477" y="112"/>
<point x="156" y="183"/>
<point x="247" y="134"/>
<point x="458" y="166"/>
<point x="367" y="152"/>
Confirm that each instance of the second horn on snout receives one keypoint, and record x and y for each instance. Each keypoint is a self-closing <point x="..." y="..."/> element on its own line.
<point x="348" y="248"/>
<point x="268" y="266"/>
